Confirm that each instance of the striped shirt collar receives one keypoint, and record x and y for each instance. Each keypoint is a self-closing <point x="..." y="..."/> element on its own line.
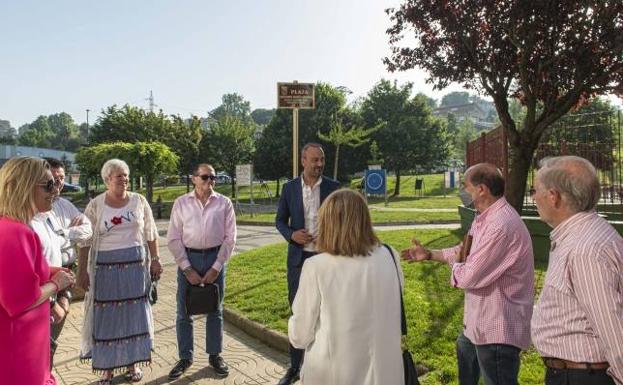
<point x="491" y="209"/>
<point x="560" y="232"/>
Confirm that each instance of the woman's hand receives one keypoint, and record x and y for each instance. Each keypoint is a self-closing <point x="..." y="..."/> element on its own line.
<point x="155" y="269"/>
<point x="63" y="279"/>
<point x="57" y="313"/>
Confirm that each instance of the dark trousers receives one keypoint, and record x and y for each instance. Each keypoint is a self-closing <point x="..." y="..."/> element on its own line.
<point x="577" y="377"/>
<point x="497" y="363"/>
<point x="294" y="275"/>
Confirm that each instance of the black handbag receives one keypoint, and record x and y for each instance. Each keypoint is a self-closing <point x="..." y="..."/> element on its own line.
<point x="153" y="291"/>
<point x="203" y="299"/>
<point x="407" y="359"/>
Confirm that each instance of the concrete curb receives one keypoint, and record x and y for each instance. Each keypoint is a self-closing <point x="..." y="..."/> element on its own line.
<point x="268" y="336"/>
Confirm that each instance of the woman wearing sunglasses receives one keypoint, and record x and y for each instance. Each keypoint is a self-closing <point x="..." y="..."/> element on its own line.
<point x="26" y="280"/>
<point x="115" y="269"/>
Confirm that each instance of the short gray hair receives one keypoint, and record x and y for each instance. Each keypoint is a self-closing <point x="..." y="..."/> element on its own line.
<point x="114" y="164"/>
<point x="574" y="178"/>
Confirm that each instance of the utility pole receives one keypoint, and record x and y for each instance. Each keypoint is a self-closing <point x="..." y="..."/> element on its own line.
<point x="151" y="101"/>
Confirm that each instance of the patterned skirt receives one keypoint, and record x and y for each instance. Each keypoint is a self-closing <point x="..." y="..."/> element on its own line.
<point x="121" y="311"/>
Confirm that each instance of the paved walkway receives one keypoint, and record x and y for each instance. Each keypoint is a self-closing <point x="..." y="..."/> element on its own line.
<point x="251" y="362"/>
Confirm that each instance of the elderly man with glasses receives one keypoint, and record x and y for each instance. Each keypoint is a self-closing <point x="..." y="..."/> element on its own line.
<point x="202" y="236"/>
<point x="577" y="325"/>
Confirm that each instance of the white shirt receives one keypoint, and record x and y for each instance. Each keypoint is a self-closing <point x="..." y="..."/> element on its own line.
<point x="61" y="215"/>
<point x="50" y="241"/>
<point x="119" y="228"/>
<point x="346" y="315"/>
<point x="311" y="205"/>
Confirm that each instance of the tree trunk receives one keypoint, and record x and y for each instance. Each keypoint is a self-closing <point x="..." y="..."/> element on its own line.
<point x="278" y="191"/>
<point x="337" y="157"/>
<point x="397" y="188"/>
<point x="150" y="188"/>
<point x="520" y="161"/>
<point x="233" y="188"/>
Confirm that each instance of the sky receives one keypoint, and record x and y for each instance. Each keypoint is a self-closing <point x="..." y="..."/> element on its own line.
<point x="76" y="55"/>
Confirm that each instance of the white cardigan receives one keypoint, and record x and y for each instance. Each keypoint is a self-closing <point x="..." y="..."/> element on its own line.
<point x="346" y="315"/>
<point x="94" y="211"/>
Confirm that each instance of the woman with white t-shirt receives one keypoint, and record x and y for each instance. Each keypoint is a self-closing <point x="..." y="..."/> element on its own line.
<point x="114" y="267"/>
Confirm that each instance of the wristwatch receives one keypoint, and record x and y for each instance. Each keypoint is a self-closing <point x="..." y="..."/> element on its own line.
<point x="186" y="270"/>
<point x="155" y="258"/>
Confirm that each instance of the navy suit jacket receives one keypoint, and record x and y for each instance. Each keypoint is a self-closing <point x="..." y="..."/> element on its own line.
<point x="290" y="213"/>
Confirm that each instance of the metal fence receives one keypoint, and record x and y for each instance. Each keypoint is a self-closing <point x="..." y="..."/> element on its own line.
<point x="595" y="136"/>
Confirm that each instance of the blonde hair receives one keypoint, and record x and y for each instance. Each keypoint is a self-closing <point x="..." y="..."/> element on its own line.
<point x="19" y="178"/>
<point x="344" y="225"/>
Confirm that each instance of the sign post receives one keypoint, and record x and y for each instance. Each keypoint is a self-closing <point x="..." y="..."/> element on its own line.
<point x="293" y="96"/>
<point x="376" y="182"/>
<point x="244" y="177"/>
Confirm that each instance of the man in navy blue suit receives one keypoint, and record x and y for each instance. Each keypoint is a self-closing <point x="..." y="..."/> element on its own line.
<point x="297" y="221"/>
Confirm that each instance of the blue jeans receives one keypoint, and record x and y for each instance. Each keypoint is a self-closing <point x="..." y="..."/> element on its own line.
<point x="214" y="322"/>
<point x="497" y="363"/>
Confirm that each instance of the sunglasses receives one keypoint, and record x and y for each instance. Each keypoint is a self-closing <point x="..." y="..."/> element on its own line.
<point x="206" y="177"/>
<point x="50" y="186"/>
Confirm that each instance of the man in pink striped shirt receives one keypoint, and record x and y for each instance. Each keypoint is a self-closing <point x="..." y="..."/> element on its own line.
<point x="578" y="322"/>
<point x="498" y="279"/>
<point x="202" y="236"/>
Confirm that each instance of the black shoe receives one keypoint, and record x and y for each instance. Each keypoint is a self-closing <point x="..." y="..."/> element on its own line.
<point x="291" y="376"/>
<point x="219" y="365"/>
<point x="179" y="368"/>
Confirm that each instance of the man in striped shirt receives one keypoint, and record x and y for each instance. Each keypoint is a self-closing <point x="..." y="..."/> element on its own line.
<point x="498" y="279"/>
<point x="578" y="322"/>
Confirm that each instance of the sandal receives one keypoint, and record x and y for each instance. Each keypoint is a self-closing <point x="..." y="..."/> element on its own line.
<point x="107" y="380"/>
<point x="134" y="375"/>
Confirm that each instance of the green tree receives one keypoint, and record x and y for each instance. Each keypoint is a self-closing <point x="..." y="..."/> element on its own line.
<point x="262" y="116"/>
<point x="36" y="134"/>
<point x="273" y="155"/>
<point x="341" y="136"/>
<point x="132" y="124"/>
<point x="229" y="143"/>
<point x="146" y="159"/>
<point x="410" y="136"/>
<point x="466" y="132"/>
<point x="455" y="98"/>
<point x="232" y="105"/>
<point x="551" y="56"/>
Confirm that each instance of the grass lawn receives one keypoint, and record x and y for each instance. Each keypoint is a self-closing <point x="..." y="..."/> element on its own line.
<point x="256" y="286"/>
<point x="407" y="200"/>
<point x="391" y="217"/>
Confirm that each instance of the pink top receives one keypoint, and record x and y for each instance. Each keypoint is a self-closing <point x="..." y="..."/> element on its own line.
<point x="196" y="226"/>
<point x="498" y="278"/>
<point x="24" y="334"/>
<point x="579" y="316"/>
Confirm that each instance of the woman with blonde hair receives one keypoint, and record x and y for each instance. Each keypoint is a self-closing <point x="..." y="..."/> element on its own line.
<point x="346" y="314"/>
<point x="26" y="281"/>
<point x="117" y="334"/>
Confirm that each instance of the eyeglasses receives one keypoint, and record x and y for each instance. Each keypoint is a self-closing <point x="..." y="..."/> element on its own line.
<point x="532" y="192"/>
<point x="206" y="177"/>
<point x="49" y="186"/>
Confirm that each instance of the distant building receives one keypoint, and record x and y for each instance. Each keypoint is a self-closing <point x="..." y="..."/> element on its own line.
<point x="9" y="151"/>
<point x="472" y="111"/>
<point x="6" y="129"/>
